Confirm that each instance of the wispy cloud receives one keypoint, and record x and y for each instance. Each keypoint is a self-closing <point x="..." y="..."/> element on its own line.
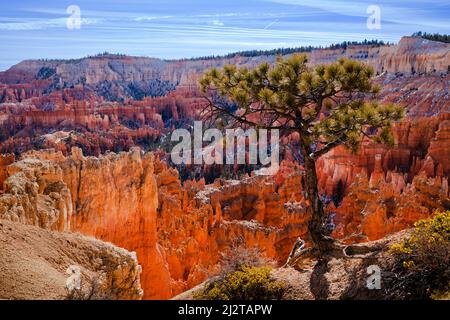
<point x="180" y="28"/>
<point x="216" y="23"/>
<point x="150" y="18"/>
<point x="403" y="12"/>
<point x="42" y="24"/>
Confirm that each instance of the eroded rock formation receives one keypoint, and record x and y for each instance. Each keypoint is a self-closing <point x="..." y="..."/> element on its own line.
<point x="138" y="203"/>
<point x="421" y="144"/>
<point x="370" y="213"/>
<point x="180" y="230"/>
<point x="113" y="198"/>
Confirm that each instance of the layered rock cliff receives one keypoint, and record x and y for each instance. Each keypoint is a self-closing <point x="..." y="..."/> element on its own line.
<point x="410" y="55"/>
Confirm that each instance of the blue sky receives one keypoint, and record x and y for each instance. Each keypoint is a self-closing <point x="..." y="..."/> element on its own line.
<point x="32" y="29"/>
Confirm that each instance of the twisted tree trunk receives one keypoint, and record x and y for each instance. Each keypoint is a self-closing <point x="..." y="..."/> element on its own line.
<point x="323" y="245"/>
<point x="316" y="226"/>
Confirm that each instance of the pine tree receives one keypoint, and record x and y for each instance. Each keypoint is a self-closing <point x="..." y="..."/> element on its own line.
<point x="327" y="106"/>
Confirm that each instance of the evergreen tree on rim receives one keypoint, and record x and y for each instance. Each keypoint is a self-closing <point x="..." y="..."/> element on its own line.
<point x="327" y="106"/>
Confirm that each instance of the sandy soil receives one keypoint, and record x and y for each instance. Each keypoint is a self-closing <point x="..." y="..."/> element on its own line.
<point x="34" y="261"/>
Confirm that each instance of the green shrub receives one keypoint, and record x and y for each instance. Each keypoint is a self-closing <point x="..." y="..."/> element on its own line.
<point x="422" y="260"/>
<point x="247" y="283"/>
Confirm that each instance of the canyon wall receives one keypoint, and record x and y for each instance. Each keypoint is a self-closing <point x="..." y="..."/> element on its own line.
<point x="180" y="231"/>
<point x="410" y="55"/>
<point x="198" y="223"/>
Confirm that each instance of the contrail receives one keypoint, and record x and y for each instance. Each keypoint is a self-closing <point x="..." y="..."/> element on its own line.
<point x="271" y="24"/>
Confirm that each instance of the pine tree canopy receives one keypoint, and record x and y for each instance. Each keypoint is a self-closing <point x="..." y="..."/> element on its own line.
<point x="328" y="105"/>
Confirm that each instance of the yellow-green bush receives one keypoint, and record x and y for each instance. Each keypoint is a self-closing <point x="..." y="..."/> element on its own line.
<point x="247" y="283"/>
<point x="422" y="259"/>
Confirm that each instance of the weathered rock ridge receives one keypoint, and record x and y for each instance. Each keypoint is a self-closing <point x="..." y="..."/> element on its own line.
<point x="410" y="55"/>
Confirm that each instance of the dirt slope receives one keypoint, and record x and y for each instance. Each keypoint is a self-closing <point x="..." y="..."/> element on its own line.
<point x="34" y="262"/>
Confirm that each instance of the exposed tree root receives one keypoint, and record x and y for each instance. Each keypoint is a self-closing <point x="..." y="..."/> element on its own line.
<point x="300" y="255"/>
<point x="331" y="248"/>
